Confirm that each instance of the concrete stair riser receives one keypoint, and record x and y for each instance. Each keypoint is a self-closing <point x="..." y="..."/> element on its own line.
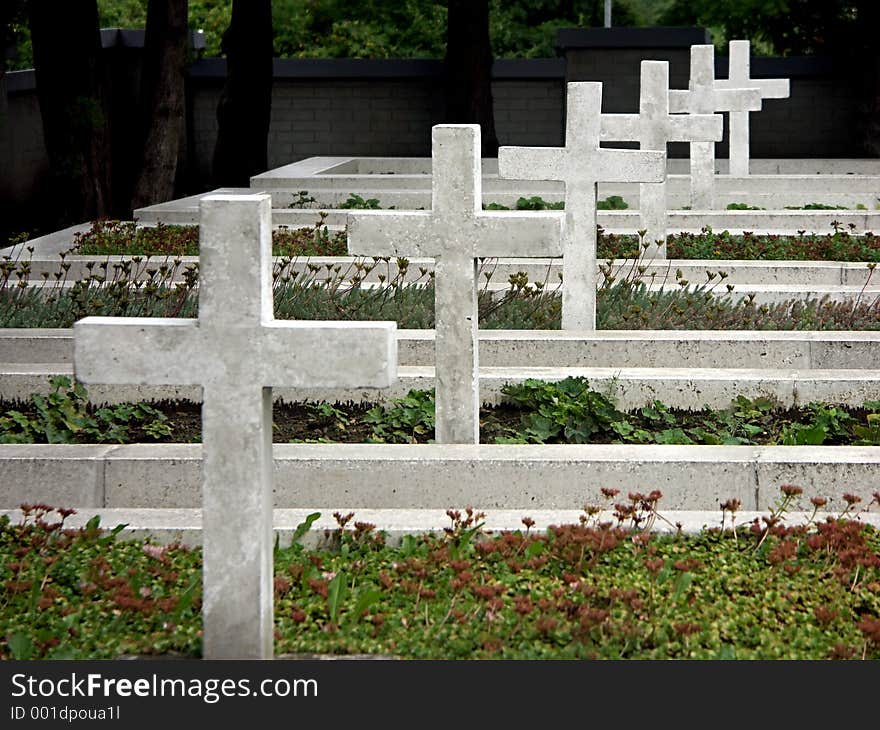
<point x="683" y="387"/>
<point x="445" y="476"/>
<point x="553" y="348"/>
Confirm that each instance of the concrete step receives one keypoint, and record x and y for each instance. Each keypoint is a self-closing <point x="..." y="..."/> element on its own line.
<point x="433" y="476"/>
<point x="774" y="220"/>
<point x="184" y="525"/>
<point x="631" y="387"/>
<point x="554" y="348"/>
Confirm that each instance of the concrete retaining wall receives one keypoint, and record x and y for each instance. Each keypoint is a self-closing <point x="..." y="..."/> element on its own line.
<point x="444" y="476"/>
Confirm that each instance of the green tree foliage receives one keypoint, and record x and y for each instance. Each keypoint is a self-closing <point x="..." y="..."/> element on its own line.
<point x="378" y="28"/>
<point x="785" y="27"/>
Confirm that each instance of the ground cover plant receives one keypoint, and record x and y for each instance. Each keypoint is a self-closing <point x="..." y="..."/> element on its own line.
<point x="141" y="286"/>
<point x="604" y="588"/>
<point x="123" y="237"/>
<point x="535" y="411"/>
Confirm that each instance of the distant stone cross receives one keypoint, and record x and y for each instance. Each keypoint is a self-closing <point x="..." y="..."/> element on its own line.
<point x="581" y="164"/>
<point x="455" y="232"/>
<point x="236" y="351"/>
<point x="704" y="97"/>
<point x="652" y="128"/>
<point x="739" y="77"/>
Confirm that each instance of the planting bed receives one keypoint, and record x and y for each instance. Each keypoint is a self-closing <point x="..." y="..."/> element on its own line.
<point x="683" y="369"/>
<point x="591" y="588"/>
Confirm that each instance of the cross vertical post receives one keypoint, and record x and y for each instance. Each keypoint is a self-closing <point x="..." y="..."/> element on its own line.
<point x="236" y="351"/>
<point x="581" y="165"/>
<point x="704" y="97"/>
<point x="652" y="128"/>
<point x="739" y="77"/>
<point x="455" y="233"/>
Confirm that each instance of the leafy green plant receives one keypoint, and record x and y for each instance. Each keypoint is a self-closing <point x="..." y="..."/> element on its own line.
<point x="65" y="416"/>
<point x="612" y="202"/>
<point x="405" y="419"/>
<point x="356" y="202"/>
<point x="743" y="206"/>
<point x="816" y="206"/>
<point x="302" y="199"/>
<point x="567" y="410"/>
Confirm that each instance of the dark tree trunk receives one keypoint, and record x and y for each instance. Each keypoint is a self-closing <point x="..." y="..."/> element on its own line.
<point x="246" y="101"/>
<point x="67" y="46"/>
<point x="162" y="101"/>
<point x="468" y="70"/>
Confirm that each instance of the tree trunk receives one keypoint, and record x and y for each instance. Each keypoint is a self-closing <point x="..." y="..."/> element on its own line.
<point x="246" y="101"/>
<point x="67" y="46"/>
<point x="468" y="70"/>
<point x="162" y="101"/>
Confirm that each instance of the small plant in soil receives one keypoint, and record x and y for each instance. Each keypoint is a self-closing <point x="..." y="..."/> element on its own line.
<point x="534" y="411"/>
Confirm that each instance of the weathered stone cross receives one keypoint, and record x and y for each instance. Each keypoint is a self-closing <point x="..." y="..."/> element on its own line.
<point x="455" y="232"/>
<point x="704" y="97"/>
<point x="652" y="128"/>
<point x="739" y="77"/>
<point x="236" y="351"/>
<point x="581" y="164"/>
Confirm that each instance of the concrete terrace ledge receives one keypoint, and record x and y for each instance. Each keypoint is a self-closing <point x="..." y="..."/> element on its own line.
<point x="184" y="526"/>
<point x="827" y="350"/>
<point x="677" y="387"/>
<point x="443" y="476"/>
<point x="773" y="221"/>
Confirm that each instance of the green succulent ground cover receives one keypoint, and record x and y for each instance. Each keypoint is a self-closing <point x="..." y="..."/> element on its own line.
<point x="122" y="237"/>
<point x="604" y="588"/>
<point x="535" y="411"/>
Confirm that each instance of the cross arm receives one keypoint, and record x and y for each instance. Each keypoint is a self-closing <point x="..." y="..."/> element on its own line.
<point x="631" y="166"/>
<point x="391" y="233"/>
<point x="679" y="101"/>
<point x="327" y="354"/>
<point x="619" y="128"/>
<point x="532" y="163"/>
<point x="136" y="350"/>
<point x="769" y="88"/>
<point x="519" y="235"/>
<point x="695" y="128"/>
<point x="740" y="100"/>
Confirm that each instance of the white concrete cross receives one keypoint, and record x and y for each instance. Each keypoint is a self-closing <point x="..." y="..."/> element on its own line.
<point x="739" y="77"/>
<point x="652" y="128"/>
<point x="703" y="97"/>
<point x="236" y="351"/>
<point x="581" y="164"/>
<point x="455" y="232"/>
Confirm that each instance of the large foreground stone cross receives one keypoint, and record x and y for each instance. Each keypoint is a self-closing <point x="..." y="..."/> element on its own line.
<point x="236" y="351"/>
<point x="652" y="128"/>
<point x="704" y="97"/>
<point x="739" y="77"/>
<point x="581" y="164"/>
<point x="455" y="232"/>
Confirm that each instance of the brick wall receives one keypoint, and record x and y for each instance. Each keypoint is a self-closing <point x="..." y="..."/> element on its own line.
<point x="386" y="108"/>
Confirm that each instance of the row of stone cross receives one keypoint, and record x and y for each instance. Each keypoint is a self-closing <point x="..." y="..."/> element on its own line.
<point x="236" y="351"/>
